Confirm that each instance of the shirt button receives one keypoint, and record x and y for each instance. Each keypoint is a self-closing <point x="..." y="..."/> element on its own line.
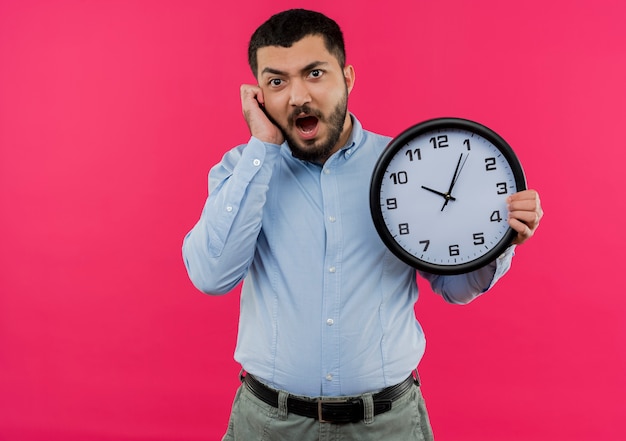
<point x="332" y="218"/>
<point x="330" y="322"/>
<point x="326" y="171"/>
<point x="329" y="377"/>
<point x="332" y="269"/>
<point x="229" y="208"/>
<point x="256" y="162"/>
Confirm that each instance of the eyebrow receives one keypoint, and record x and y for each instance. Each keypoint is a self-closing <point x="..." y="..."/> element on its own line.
<point x="308" y="67"/>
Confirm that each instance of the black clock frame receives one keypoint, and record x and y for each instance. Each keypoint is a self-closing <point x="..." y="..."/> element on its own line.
<point x="399" y="142"/>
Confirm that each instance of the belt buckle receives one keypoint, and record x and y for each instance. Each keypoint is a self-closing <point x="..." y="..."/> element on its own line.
<point x="320" y="412"/>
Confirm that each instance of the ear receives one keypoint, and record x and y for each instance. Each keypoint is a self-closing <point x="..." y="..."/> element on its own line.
<point x="348" y="74"/>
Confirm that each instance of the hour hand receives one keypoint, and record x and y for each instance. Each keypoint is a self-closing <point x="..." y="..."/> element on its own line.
<point x="446" y="196"/>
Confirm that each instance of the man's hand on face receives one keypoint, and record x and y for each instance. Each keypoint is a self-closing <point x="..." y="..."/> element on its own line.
<point x="260" y="126"/>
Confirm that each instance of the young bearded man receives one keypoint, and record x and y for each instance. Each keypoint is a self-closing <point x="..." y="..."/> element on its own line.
<point x="327" y="333"/>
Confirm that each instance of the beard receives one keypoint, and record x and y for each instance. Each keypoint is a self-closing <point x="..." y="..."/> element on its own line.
<point x="317" y="150"/>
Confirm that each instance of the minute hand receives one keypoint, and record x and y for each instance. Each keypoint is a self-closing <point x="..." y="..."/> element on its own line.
<point x="455" y="177"/>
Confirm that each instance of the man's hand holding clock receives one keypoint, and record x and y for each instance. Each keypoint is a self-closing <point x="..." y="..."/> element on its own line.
<point x="525" y="212"/>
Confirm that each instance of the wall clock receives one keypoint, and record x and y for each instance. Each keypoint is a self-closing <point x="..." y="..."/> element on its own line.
<point x="438" y="195"/>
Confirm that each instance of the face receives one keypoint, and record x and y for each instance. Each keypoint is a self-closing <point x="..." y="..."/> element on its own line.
<point x="306" y="96"/>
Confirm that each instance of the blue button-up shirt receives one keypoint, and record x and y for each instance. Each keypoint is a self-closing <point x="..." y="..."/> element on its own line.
<point x="326" y="308"/>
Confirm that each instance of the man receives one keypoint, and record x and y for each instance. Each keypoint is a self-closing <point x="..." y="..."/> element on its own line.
<point x="327" y="335"/>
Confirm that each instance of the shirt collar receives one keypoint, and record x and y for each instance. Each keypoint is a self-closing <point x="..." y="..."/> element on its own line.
<point x="355" y="139"/>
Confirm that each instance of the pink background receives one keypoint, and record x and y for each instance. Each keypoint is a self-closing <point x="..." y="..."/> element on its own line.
<point x="111" y="114"/>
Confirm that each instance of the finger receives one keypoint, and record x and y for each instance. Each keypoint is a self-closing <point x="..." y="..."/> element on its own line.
<point x="524" y="232"/>
<point x="525" y="194"/>
<point x="249" y="100"/>
<point x="251" y="95"/>
<point x="530" y="218"/>
<point x="527" y="201"/>
<point x="259" y="96"/>
<point x="524" y="205"/>
<point x="528" y="198"/>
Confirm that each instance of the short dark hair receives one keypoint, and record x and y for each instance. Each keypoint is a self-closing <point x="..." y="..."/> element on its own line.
<point x="288" y="27"/>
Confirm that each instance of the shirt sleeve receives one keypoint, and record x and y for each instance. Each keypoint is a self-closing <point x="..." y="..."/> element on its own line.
<point x="463" y="288"/>
<point x="218" y="250"/>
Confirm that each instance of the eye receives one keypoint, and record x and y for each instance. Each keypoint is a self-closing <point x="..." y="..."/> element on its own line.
<point x="316" y="73"/>
<point x="275" y="82"/>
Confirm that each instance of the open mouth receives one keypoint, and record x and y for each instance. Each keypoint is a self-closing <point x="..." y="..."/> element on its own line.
<point x="307" y="125"/>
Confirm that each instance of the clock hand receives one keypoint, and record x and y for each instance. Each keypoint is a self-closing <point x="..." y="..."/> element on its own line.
<point x="459" y="173"/>
<point x="456" y="171"/>
<point x="444" y="195"/>
<point x="455" y="177"/>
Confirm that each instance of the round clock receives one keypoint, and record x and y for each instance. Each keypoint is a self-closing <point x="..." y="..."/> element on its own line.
<point x="438" y="195"/>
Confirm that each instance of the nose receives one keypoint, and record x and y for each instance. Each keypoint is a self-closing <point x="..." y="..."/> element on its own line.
<point x="299" y="93"/>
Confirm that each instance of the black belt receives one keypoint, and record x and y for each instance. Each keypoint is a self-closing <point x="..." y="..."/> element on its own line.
<point x="331" y="410"/>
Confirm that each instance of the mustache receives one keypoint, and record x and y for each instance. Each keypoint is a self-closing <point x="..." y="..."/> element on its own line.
<point x="307" y="110"/>
<point x="297" y="111"/>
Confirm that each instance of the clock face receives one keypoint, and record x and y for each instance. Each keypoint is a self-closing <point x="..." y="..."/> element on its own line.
<point x="438" y="195"/>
